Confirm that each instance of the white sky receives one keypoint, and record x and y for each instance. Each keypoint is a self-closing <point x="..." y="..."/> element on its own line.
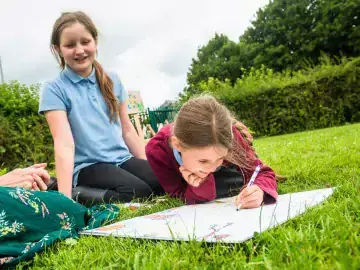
<point x="149" y="43"/>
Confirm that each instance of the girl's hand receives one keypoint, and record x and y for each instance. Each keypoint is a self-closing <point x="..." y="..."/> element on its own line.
<point x="38" y="170"/>
<point x="250" y="197"/>
<point x="191" y="178"/>
<point x="38" y="183"/>
<point x="30" y="178"/>
<point x="17" y="178"/>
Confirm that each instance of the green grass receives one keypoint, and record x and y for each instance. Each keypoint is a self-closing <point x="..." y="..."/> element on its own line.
<point x="325" y="237"/>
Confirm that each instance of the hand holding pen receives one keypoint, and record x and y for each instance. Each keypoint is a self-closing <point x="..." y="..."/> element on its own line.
<point x="252" y="196"/>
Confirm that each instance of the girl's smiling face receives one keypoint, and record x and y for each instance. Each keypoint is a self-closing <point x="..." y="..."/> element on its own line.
<point x="201" y="161"/>
<point x="78" y="48"/>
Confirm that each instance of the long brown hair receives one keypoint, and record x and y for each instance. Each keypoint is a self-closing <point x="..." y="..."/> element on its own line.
<point x="105" y="83"/>
<point x="203" y="121"/>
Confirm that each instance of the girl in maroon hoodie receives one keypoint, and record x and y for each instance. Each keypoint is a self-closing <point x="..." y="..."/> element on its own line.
<point x="207" y="154"/>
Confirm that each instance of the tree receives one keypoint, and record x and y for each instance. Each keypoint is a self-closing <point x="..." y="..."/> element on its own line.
<point x="285" y="32"/>
<point x="218" y="59"/>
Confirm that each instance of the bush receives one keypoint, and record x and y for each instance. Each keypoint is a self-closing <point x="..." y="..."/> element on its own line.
<point x="278" y="103"/>
<point x="24" y="135"/>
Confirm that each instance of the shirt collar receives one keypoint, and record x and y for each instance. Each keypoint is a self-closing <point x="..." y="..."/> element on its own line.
<point x="75" y="78"/>
<point x="178" y="157"/>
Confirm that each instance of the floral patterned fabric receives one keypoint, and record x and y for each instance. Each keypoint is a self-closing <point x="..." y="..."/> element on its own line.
<point x="32" y="220"/>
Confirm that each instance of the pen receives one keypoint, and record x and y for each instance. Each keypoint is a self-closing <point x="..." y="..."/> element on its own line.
<point x="252" y="179"/>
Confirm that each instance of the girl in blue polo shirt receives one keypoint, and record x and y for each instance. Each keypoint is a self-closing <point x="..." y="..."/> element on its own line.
<point x="95" y="143"/>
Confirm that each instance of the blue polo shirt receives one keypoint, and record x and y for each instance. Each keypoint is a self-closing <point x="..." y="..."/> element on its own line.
<point x="96" y="138"/>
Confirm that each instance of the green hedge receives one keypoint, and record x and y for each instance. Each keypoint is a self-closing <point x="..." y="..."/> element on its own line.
<point x="272" y="104"/>
<point x="24" y="135"/>
<point x="269" y="103"/>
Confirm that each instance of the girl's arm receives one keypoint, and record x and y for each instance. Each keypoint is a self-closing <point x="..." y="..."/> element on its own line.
<point x="133" y="141"/>
<point x="64" y="149"/>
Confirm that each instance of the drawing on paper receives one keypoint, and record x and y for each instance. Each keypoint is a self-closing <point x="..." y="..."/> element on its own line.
<point x="111" y="227"/>
<point x="159" y="217"/>
<point x="215" y="228"/>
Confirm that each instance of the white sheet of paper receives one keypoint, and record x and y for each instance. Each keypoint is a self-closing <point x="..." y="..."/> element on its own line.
<point x="214" y="221"/>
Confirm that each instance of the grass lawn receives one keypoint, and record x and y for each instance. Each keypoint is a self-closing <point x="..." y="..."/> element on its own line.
<point x="325" y="237"/>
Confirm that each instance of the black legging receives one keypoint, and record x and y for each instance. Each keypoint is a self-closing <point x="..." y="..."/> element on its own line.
<point x="228" y="182"/>
<point x="134" y="179"/>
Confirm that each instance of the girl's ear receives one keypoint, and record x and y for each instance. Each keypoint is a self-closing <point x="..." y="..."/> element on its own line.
<point x="175" y="143"/>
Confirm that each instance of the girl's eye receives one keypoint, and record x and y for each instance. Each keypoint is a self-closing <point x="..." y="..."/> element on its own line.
<point x="203" y="161"/>
<point x="86" y="41"/>
<point x="69" y="45"/>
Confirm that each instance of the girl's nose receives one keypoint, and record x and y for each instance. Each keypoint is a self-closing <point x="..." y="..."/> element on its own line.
<point x="79" y="49"/>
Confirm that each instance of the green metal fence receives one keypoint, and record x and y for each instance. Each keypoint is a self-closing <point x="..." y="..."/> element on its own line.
<point x="155" y="117"/>
<point x="159" y="116"/>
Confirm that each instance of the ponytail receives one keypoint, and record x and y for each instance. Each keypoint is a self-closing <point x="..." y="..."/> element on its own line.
<point x="245" y="133"/>
<point x="106" y="87"/>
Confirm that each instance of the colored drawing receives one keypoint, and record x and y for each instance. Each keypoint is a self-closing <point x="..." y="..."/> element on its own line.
<point x="216" y="228"/>
<point x="221" y="236"/>
<point x="134" y="102"/>
<point x="214" y="221"/>
<point x="111" y="227"/>
<point x="159" y="217"/>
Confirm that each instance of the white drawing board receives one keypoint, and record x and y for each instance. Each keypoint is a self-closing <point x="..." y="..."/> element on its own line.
<point x="214" y="221"/>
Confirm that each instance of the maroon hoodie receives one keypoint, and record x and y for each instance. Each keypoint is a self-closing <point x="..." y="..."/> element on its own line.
<point x="161" y="159"/>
